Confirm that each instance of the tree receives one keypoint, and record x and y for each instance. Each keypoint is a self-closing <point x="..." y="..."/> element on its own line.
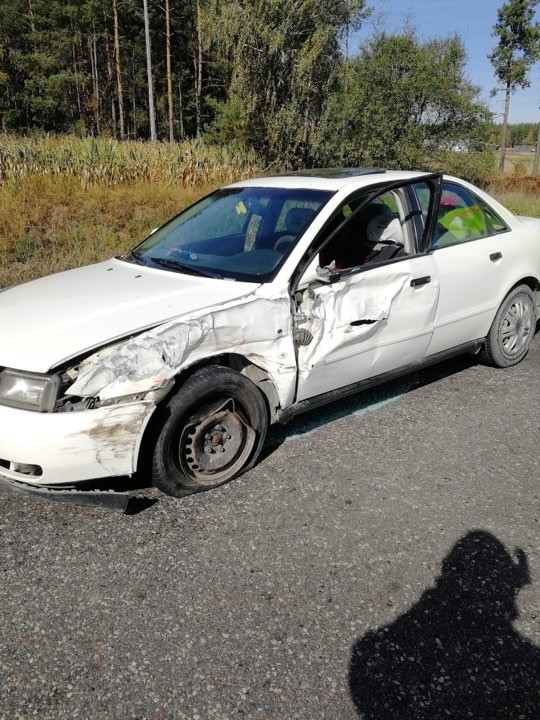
<point x="198" y="65"/>
<point x="407" y="100"/>
<point x="517" y="51"/>
<point x="169" y="73"/>
<point x="536" y="163"/>
<point x="151" y="109"/>
<point x="118" y="67"/>
<point x="280" y="58"/>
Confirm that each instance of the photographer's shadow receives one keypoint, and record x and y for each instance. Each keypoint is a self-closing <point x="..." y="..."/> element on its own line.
<point x="455" y="654"/>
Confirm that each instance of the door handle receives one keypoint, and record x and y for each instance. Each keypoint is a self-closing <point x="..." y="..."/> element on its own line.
<point x="416" y="282"/>
<point x="495" y="256"/>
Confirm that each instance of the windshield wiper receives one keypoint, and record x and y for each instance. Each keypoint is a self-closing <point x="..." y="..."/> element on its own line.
<point x="181" y="267"/>
<point x="131" y="257"/>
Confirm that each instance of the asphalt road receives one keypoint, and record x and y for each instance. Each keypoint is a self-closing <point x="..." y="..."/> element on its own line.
<point x="367" y="564"/>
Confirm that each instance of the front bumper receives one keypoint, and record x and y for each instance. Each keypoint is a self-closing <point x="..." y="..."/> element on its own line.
<point x="73" y="446"/>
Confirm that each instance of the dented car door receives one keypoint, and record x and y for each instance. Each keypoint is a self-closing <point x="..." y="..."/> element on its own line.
<point x="371" y="319"/>
<point x="366" y="324"/>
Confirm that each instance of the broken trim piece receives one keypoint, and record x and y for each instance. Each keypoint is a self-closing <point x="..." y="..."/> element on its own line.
<point x="95" y="498"/>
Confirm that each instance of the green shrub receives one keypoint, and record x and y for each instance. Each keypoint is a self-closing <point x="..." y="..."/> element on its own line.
<point x="478" y="168"/>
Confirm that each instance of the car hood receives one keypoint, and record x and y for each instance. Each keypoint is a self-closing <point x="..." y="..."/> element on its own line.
<point x="48" y="321"/>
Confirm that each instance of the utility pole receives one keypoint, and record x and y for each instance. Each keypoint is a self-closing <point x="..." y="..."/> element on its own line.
<point x="537" y="154"/>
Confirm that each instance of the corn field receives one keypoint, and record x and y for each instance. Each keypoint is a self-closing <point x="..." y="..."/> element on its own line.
<point x="97" y="162"/>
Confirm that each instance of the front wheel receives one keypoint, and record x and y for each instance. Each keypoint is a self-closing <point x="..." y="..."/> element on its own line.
<point x="512" y="331"/>
<point x="215" y="430"/>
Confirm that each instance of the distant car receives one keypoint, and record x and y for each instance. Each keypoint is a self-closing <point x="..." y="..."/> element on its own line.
<point x="265" y="299"/>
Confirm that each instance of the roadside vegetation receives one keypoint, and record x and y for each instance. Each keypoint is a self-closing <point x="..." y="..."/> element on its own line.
<point x="48" y="224"/>
<point x="106" y="162"/>
<point x="223" y="89"/>
<point x="66" y="202"/>
<point x="520" y="194"/>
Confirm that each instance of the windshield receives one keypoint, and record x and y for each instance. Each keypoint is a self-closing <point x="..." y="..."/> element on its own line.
<point x="240" y="233"/>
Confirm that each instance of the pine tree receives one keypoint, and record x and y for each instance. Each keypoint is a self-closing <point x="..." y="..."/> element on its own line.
<point x="516" y="53"/>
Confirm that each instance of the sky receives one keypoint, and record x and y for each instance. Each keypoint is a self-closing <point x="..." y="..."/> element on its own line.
<point x="473" y="20"/>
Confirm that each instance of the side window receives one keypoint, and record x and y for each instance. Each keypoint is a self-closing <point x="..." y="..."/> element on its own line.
<point x="423" y="196"/>
<point x="374" y="235"/>
<point x="459" y="218"/>
<point x="494" y="223"/>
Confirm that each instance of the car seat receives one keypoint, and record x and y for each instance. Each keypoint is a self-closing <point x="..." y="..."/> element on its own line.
<point x="296" y="221"/>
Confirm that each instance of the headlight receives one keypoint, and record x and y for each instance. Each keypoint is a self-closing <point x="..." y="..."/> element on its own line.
<point x="28" y="391"/>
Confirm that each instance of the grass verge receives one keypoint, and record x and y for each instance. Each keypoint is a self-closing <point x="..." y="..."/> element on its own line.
<point x="49" y="224"/>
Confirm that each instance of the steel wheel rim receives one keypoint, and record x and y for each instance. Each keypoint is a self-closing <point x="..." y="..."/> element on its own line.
<point x="215" y="444"/>
<point x="516" y="327"/>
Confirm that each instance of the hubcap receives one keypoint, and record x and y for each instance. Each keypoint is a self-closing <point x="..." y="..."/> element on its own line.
<point x="215" y="444"/>
<point x="516" y="327"/>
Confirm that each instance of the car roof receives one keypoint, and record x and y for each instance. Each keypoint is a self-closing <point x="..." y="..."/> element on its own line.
<point x="330" y="179"/>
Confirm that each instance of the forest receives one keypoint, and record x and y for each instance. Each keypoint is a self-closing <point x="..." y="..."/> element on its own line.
<point x="286" y="79"/>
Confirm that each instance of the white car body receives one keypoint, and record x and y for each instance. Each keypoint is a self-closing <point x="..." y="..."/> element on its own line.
<point x="124" y="333"/>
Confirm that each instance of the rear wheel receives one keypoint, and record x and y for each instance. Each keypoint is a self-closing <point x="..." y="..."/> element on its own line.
<point x="215" y="430"/>
<point x="511" y="334"/>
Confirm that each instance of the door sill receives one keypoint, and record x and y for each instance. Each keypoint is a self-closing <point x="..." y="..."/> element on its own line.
<point x="314" y="402"/>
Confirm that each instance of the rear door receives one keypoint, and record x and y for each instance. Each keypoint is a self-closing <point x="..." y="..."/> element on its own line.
<point x="473" y="255"/>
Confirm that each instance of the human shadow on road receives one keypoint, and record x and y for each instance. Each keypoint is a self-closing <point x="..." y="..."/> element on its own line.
<point x="455" y="653"/>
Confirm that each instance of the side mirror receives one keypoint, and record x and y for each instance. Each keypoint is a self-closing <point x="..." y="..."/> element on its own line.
<point x="315" y="273"/>
<point x="327" y="274"/>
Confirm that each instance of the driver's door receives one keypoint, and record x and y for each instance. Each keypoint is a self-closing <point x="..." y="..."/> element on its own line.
<point x="371" y="319"/>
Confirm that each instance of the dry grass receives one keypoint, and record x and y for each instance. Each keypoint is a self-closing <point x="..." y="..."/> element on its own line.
<point x="521" y="195"/>
<point x="48" y="224"/>
<point x="517" y="164"/>
<point x="66" y="202"/>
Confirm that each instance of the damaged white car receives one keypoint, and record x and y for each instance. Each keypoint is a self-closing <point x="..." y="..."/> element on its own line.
<point x="265" y="299"/>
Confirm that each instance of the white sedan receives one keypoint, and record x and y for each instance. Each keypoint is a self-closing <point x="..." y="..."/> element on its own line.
<point x="265" y="299"/>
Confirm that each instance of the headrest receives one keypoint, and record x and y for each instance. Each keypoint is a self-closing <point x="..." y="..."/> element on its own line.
<point x="384" y="227"/>
<point x="297" y="219"/>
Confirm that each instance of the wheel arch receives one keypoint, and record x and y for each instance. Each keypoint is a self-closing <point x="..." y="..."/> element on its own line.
<point x="534" y="286"/>
<point x="234" y="361"/>
<point x="532" y="282"/>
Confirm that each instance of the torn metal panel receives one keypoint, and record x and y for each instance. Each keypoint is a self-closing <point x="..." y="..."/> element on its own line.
<point x="339" y="314"/>
<point x="138" y="365"/>
<point x="258" y="329"/>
